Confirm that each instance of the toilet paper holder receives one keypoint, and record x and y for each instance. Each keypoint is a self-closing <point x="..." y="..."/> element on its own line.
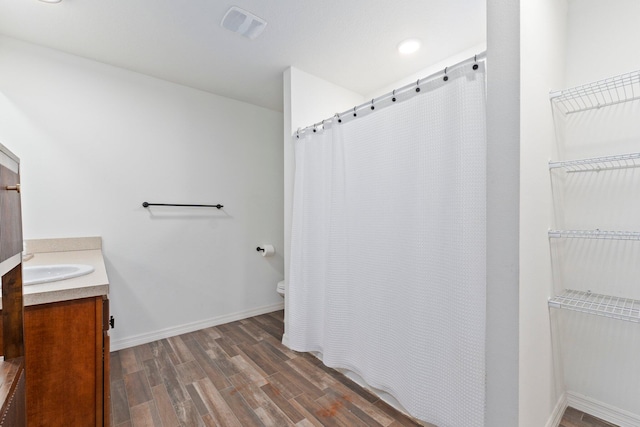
<point x="267" y="250"/>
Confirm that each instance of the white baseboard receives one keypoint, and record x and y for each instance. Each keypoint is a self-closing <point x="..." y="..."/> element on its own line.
<point x="190" y="327"/>
<point x="602" y="410"/>
<point x="558" y="411"/>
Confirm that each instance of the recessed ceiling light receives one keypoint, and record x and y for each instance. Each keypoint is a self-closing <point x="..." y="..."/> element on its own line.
<point x="50" y="1"/>
<point x="409" y="46"/>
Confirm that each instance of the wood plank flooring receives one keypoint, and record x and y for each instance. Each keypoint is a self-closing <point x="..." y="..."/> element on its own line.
<point x="574" y="418"/>
<point x="238" y="375"/>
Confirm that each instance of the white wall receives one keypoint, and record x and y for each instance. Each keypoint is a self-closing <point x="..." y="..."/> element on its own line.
<point x="429" y="70"/>
<point x="503" y="186"/>
<point x="96" y="141"/>
<point x="602" y="40"/>
<point x="542" y="41"/>
<point x="602" y="368"/>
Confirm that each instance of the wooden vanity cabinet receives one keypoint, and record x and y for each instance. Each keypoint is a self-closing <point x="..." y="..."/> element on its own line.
<point x="67" y="363"/>
<point x="56" y="367"/>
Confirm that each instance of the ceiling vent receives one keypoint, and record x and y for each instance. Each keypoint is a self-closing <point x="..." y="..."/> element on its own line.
<point x="242" y="22"/>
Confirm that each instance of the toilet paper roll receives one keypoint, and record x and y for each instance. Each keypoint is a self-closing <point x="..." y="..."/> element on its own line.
<point x="269" y="250"/>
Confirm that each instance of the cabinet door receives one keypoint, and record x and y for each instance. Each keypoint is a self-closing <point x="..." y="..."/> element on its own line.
<point x="64" y="363"/>
<point x="10" y="213"/>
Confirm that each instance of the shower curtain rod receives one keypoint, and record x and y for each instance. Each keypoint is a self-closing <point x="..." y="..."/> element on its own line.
<point x="392" y="94"/>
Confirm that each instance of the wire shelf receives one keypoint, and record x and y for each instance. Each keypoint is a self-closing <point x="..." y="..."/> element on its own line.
<point x="600" y="305"/>
<point x="596" y="164"/>
<point x="594" y="234"/>
<point x="602" y="93"/>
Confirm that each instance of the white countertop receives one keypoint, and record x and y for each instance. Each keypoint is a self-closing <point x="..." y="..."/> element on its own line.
<point x="67" y="251"/>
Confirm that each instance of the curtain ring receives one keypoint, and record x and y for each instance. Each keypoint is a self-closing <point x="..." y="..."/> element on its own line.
<point x="314" y="128"/>
<point x="354" y="112"/>
<point x="372" y="107"/>
<point x="394" y="96"/>
<point x="445" y="74"/>
<point x="418" y="85"/>
<point x="475" y="59"/>
<point x="298" y="133"/>
<point x="338" y="116"/>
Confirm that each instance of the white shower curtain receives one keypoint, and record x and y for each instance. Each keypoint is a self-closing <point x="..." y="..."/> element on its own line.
<point x="387" y="274"/>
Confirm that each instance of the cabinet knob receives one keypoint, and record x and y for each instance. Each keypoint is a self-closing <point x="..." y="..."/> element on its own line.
<point x="13" y="187"/>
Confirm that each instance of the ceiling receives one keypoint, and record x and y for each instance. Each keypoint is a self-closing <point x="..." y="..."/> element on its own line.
<point x="352" y="43"/>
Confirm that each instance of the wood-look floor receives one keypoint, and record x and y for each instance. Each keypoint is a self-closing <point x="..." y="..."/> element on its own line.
<point x="237" y="374"/>
<point x="574" y="418"/>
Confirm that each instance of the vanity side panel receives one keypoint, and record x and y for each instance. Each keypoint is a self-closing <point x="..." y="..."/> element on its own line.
<point x="106" y="364"/>
<point x="12" y="314"/>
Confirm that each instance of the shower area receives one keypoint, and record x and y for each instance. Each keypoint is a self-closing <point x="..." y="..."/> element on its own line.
<point x="387" y="270"/>
<point x="537" y="359"/>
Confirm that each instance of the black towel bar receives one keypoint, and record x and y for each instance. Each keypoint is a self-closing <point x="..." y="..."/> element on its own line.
<point x="147" y="204"/>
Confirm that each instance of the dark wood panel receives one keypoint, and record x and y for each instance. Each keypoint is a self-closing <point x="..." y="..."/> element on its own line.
<point x="12" y="314"/>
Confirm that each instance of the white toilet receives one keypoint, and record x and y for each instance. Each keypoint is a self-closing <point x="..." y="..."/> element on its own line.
<point x="280" y="288"/>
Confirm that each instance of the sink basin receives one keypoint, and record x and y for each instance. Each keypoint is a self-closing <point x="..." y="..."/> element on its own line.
<point x="35" y="274"/>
